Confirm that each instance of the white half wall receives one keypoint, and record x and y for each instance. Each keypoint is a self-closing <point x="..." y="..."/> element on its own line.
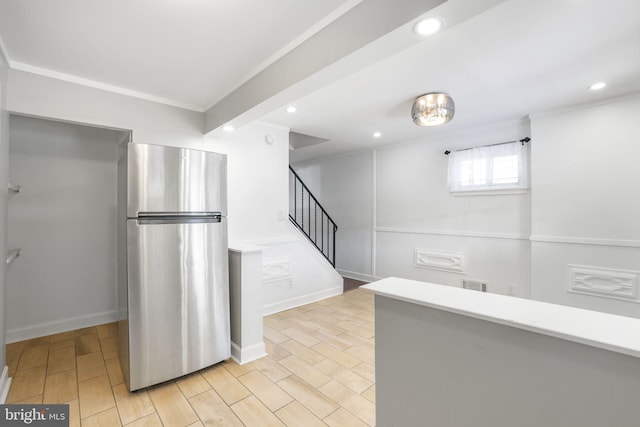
<point x="586" y="204"/>
<point x="245" y="299"/>
<point x="459" y="369"/>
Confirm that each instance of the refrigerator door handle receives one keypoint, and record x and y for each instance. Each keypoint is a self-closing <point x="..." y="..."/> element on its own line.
<point x="166" y="219"/>
<point x="176" y="214"/>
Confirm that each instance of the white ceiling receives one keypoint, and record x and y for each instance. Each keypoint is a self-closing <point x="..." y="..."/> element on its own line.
<point x="520" y="57"/>
<point x="500" y="59"/>
<point x="187" y="52"/>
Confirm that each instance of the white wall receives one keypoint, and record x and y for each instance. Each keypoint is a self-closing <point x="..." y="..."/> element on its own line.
<point x="586" y="201"/>
<point x="414" y="209"/>
<point x="345" y="190"/>
<point x="404" y="187"/>
<point x="258" y="187"/>
<point x="580" y="217"/>
<point x="257" y="181"/>
<point x="152" y="123"/>
<point x="295" y="273"/>
<point x="64" y="221"/>
<point x="4" y="172"/>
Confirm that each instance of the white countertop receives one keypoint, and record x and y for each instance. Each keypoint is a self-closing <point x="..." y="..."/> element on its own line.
<point x="611" y="332"/>
<point x="245" y="247"/>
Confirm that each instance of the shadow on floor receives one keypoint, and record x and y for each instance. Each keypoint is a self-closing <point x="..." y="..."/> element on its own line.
<point x="351" y="284"/>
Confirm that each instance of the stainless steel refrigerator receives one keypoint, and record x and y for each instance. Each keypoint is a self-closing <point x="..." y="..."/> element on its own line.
<point x="173" y="298"/>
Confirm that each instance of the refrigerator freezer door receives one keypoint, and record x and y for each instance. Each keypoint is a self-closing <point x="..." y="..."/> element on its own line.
<point x="178" y="299"/>
<point x="170" y="179"/>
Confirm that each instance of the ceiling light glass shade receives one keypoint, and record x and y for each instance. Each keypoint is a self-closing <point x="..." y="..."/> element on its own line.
<point x="432" y="109"/>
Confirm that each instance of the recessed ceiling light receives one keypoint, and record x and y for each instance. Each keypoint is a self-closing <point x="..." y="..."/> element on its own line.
<point x="597" y="86"/>
<point x="377" y="134"/>
<point x="227" y="128"/>
<point x="291" y="109"/>
<point x="427" y="26"/>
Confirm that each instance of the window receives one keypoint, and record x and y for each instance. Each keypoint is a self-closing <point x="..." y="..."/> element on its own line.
<point x="501" y="167"/>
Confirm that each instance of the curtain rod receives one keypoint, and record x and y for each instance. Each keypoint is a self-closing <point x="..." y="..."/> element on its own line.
<point x="522" y="141"/>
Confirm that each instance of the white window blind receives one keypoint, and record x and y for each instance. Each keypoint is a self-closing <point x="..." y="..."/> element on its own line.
<point x="493" y="167"/>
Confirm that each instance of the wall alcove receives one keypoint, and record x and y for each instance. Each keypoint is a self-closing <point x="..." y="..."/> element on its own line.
<point x="64" y="221"/>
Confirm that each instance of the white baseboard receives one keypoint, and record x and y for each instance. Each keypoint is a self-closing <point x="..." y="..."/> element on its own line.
<point x="248" y="354"/>
<point x="301" y="300"/>
<point x="5" y="383"/>
<point x="44" y="329"/>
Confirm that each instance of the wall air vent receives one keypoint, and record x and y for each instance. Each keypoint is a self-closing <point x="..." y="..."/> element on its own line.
<point x="475" y="285"/>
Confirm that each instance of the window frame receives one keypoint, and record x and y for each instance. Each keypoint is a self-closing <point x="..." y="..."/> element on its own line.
<point x="487" y="155"/>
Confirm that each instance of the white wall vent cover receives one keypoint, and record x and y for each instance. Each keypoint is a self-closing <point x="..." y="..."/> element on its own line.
<point x="276" y="269"/>
<point x="603" y="282"/>
<point x="439" y="260"/>
<point x="475" y="285"/>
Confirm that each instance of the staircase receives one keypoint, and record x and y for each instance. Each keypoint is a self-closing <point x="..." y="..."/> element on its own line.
<point x="311" y="218"/>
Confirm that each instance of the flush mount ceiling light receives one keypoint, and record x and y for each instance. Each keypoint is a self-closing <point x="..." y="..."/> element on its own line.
<point x="291" y="109"/>
<point x="377" y="134"/>
<point x="432" y="109"/>
<point x="428" y="26"/>
<point x="227" y="128"/>
<point x="597" y="86"/>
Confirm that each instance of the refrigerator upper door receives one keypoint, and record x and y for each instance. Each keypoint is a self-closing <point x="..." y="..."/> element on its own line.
<point x="178" y="299"/>
<point x="175" y="180"/>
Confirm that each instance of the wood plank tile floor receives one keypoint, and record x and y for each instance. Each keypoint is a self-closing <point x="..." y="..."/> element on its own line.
<point x="319" y="371"/>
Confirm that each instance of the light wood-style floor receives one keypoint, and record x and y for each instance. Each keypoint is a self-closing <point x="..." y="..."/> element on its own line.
<point x="319" y="371"/>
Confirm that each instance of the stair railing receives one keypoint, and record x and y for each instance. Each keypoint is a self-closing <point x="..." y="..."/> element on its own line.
<point x="311" y="218"/>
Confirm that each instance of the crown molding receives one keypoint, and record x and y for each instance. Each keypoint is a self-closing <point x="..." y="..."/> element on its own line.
<point x="70" y="78"/>
<point x="3" y="53"/>
<point x="584" y="105"/>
